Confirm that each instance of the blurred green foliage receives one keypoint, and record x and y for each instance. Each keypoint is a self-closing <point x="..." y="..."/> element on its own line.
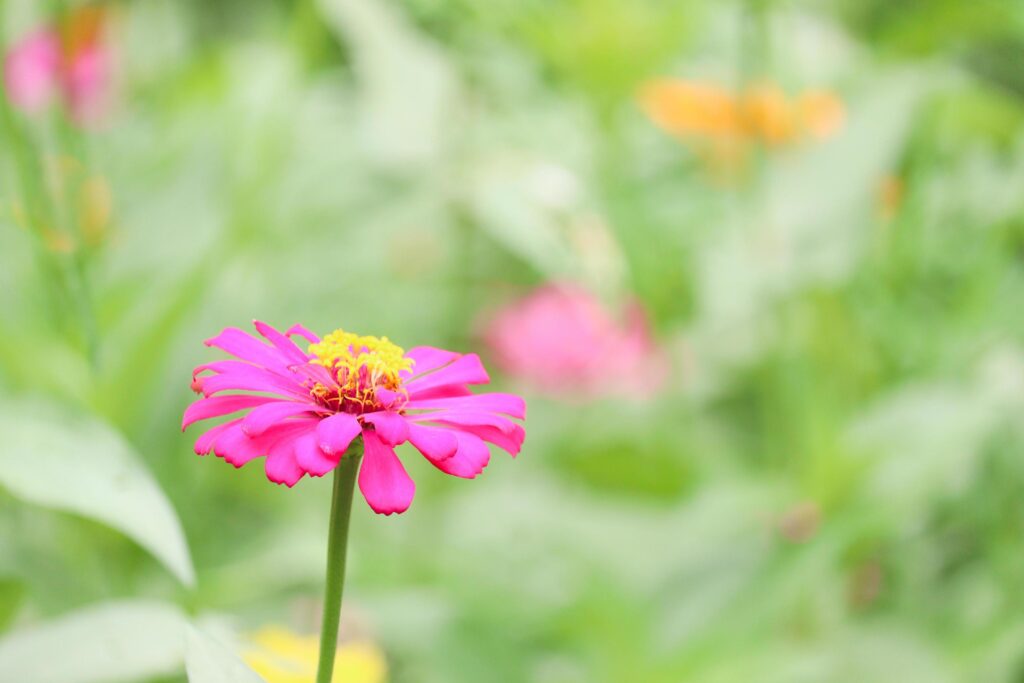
<point x="828" y="488"/>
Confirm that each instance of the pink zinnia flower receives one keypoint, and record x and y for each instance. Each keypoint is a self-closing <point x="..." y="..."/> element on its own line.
<point x="563" y="341"/>
<point x="78" y="68"/>
<point x="304" y="409"/>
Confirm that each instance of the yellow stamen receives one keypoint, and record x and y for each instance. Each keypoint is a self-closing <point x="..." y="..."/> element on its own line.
<point x="346" y="354"/>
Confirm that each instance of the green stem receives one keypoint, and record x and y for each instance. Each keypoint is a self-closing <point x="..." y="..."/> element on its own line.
<point x="337" y="545"/>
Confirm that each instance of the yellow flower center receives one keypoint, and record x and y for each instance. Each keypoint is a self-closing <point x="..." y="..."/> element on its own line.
<point x="361" y="365"/>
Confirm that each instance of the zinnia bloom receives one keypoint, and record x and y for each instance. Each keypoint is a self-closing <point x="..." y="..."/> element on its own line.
<point x="73" y="63"/>
<point x="304" y="409"/>
<point x="280" y="656"/>
<point x="562" y="340"/>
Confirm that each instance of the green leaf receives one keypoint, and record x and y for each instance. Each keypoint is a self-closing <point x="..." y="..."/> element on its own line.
<point x="208" y="661"/>
<point x="70" y="462"/>
<point x="499" y="200"/>
<point x="108" y="643"/>
<point x="928" y="438"/>
<point x="138" y="349"/>
<point x="395" y="65"/>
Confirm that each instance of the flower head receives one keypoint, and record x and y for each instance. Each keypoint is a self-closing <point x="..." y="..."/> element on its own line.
<point x="304" y="408"/>
<point x="562" y="340"/>
<point x="71" y="61"/>
<point x="280" y="656"/>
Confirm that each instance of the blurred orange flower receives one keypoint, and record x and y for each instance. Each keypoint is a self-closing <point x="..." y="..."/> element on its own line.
<point x="766" y="114"/>
<point x="822" y="114"/>
<point x="689" y="108"/>
<point x="759" y="113"/>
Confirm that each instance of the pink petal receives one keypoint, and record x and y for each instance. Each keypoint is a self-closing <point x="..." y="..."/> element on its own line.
<point x="205" y="408"/>
<point x="434" y="443"/>
<point x="206" y="440"/>
<point x="465" y="370"/>
<point x="234" y="375"/>
<point x="385" y="484"/>
<point x="227" y="367"/>
<point x="426" y="359"/>
<point x="303" y="332"/>
<point x="390" y="399"/>
<point x="311" y="458"/>
<point x="291" y="379"/>
<point x="510" y="404"/>
<point x="248" y="348"/>
<point x="511" y="442"/>
<point x="281" y="466"/>
<point x="262" y="418"/>
<point x="317" y="373"/>
<point x="465" y="417"/>
<point x="238" y="448"/>
<point x="448" y="391"/>
<point x="391" y="427"/>
<point x="224" y="367"/>
<point x="501" y="432"/>
<point x="336" y="432"/>
<point x="282" y="343"/>
<point x="469" y="460"/>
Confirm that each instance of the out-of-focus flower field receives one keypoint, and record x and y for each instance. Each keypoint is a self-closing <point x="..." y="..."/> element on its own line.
<point x="757" y="268"/>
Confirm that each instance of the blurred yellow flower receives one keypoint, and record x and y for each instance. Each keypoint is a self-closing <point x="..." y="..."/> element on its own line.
<point x="280" y="656"/>
<point x="58" y="242"/>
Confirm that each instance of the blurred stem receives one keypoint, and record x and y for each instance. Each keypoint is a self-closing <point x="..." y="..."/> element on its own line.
<point x="42" y="214"/>
<point x="755" y="48"/>
<point x="309" y="35"/>
<point x="463" y="276"/>
<point x="337" y="546"/>
<point x="755" y="66"/>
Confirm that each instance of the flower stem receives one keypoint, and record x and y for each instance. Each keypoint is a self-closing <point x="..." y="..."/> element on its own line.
<point x="337" y="545"/>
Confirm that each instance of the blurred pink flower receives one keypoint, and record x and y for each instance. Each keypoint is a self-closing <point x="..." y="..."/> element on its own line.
<point x="73" y="64"/>
<point x="31" y="70"/>
<point x="562" y="340"/>
<point x="86" y="85"/>
<point x="304" y="409"/>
